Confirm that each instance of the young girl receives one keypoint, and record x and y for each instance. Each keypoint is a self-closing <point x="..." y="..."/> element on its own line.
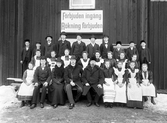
<point x="58" y="95"/>
<point x="99" y="60"/>
<point x="134" y="59"/>
<point x="26" y="89"/>
<point x="36" y="59"/>
<point x="108" y="86"/>
<point x="111" y="59"/>
<point x="120" y="86"/>
<point x="146" y="80"/>
<point x="134" y="90"/>
<point x="52" y="60"/>
<point x="84" y="61"/>
<point x="66" y="58"/>
<point x="123" y="59"/>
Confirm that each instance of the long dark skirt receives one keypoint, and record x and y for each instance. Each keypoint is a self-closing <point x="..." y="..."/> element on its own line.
<point x="57" y="94"/>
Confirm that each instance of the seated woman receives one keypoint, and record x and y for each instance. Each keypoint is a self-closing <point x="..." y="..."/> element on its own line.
<point x="26" y="89"/>
<point x="134" y="90"/>
<point x="99" y="60"/>
<point x="84" y="61"/>
<point x="146" y="81"/>
<point x="57" y="86"/>
<point x="120" y="86"/>
<point x="66" y="58"/>
<point x="109" y="85"/>
<point x="111" y="59"/>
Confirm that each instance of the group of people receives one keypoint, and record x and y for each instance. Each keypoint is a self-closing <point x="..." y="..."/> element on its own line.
<point x="120" y="76"/>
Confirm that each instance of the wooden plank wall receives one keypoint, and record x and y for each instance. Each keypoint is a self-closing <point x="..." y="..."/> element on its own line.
<point x="124" y="20"/>
<point x="158" y="41"/>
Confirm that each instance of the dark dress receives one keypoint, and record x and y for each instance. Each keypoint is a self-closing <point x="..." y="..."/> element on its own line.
<point x="57" y="86"/>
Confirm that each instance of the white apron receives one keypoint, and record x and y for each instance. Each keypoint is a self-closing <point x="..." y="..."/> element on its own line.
<point x="25" y="90"/>
<point x="84" y="64"/>
<point x="134" y="93"/>
<point x="109" y="91"/>
<point x="120" y="91"/>
<point x="66" y="62"/>
<point x="100" y="62"/>
<point x="147" y="90"/>
<point x="37" y="63"/>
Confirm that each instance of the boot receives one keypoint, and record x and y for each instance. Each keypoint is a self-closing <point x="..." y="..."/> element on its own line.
<point x="145" y="98"/>
<point x="152" y="101"/>
<point x="22" y="104"/>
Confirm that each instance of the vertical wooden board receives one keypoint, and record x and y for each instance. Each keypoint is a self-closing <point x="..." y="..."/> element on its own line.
<point x="165" y="46"/>
<point x="156" y="44"/>
<point x="1" y="39"/>
<point x="112" y="21"/>
<point x="119" y="20"/>
<point x="19" y="36"/>
<point x="125" y="4"/>
<point x="135" y="20"/>
<point x="106" y="15"/>
<point x="130" y="21"/>
<point x="161" y="44"/>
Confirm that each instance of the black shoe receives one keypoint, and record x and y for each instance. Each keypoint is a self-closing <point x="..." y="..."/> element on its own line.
<point x="106" y="105"/>
<point x="89" y="104"/>
<point x="110" y="105"/>
<point x="42" y="105"/>
<point x="55" y="106"/>
<point x="71" y="106"/>
<point x="152" y="101"/>
<point x="22" y="104"/>
<point x="96" y="104"/>
<point x="32" y="106"/>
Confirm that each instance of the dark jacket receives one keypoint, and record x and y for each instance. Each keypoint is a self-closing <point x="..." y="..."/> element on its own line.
<point x="93" y="76"/>
<point x="91" y="50"/>
<point x="130" y="52"/>
<point x="150" y="76"/>
<point x="62" y="46"/>
<point x="116" y="53"/>
<point x="74" y="74"/>
<point x="48" y="49"/>
<point x="26" y="54"/>
<point x="42" y="76"/>
<point x="144" y="53"/>
<point x="77" y="49"/>
<point x="104" y="50"/>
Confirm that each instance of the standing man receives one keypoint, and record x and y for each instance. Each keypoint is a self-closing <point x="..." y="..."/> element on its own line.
<point x="42" y="77"/>
<point x="26" y="55"/>
<point x="78" y="47"/>
<point x="92" y="47"/>
<point x="63" y="44"/>
<point x="48" y="46"/>
<point x="105" y="47"/>
<point x="72" y="76"/>
<point x="93" y="79"/>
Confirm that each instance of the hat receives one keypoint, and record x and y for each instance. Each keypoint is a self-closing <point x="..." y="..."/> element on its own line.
<point x="59" y="60"/>
<point x="131" y="42"/>
<point x="118" y="42"/>
<point x="105" y="36"/>
<point x="48" y="36"/>
<point x="93" y="58"/>
<point x="79" y="34"/>
<point x="93" y="36"/>
<point x="97" y="51"/>
<point x="63" y="33"/>
<point x="142" y="41"/>
<point x="73" y="57"/>
<point x="27" y="40"/>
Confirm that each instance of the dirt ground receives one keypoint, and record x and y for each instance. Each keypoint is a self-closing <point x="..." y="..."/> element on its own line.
<point x="80" y="114"/>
